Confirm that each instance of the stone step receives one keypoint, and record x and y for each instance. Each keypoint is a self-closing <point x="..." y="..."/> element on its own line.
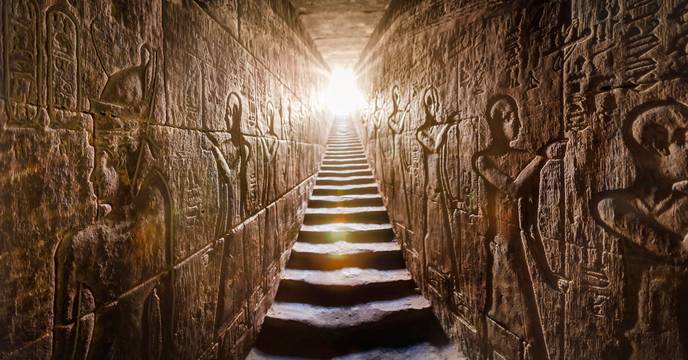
<point x="345" y="189"/>
<point x="345" y="167"/>
<point x="350" y="232"/>
<point x="358" y="149"/>
<point x="422" y="350"/>
<point x="345" y="173"/>
<point x="335" y="215"/>
<point x="344" y="287"/>
<point x="342" y="254"/>
<point x="344" y="149"/>
<point x="345" y="162"/>
<point x="335" y="201"/>
<point x="343" y="146"/>
<point x="344" y="156"/>
<point x="344" y="143"/>
<point x="344" y="180"/>
<point x="297" y="329"/>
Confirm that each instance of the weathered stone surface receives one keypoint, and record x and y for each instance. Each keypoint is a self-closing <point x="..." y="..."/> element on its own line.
<point x="538" y="170"/>
<point x="136" y="137"/>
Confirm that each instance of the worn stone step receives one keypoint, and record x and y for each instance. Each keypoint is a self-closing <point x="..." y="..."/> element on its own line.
<point x="344" y="143"/>
<point x="296" y="329"/>
<point x="350" y="232"/>
<point x="345" y="167"/>
<point x="345" y="189"/>
<point x="422" y="350"/>
<point x="378" y="255"/>
<point x="345" y="173"/>
<point x="344" y="287"/>
<point x="344" y="180"/>
<point x="356" y="149"/>
<point x="345" y="156"/>
<point x="345" y="162"/>
<point x="330" y="215"/>
<point x="345" y="153"/>
<point x="344" y="149"/>
<point x="348" y="146"/>
<point x="335" y="201"/>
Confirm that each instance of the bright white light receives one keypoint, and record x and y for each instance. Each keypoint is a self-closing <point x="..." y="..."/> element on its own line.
<point x="343" y="96"/>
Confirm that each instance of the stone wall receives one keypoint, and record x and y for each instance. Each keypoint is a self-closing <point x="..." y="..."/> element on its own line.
<point x="534" y="158"/>
<point x="148" y="175"/>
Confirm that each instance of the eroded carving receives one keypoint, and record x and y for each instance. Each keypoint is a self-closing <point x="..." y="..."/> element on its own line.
<point x="432" y="136"/>
<point x="651" y="218"/>
<point x="21" y="62"/>
<point x="511" y="176"/>
<point x="97" y="278"/>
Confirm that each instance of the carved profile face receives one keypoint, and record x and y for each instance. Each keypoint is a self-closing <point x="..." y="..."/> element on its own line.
<point x="270" y="113"/>
<point x="431" y="105"/>
<point x="396" y="97"/>
<point x="504" y="116"/>
<point x="233" y="112"/>
<point x="115" y="165"/>
<point x="377" y="101"/>
<point x="660" y="141"/>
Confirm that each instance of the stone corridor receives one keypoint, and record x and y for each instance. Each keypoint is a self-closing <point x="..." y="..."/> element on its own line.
<point x="344" y="179"/>
<point x="345" y="292"/>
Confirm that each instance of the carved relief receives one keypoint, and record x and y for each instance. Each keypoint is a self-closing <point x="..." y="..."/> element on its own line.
<point x="397" y="123"/>
<point x="134" y="217"/>
<point x="270" y="145"/>
<point x="22" y="70"/>
<point x="130" y="156"/>
<point x="64" y="92"/>
<point x="650" y="219"/>
<point x="432" y="136"/>
<point x="511" y="175"/>
<point x="231" y="152"/>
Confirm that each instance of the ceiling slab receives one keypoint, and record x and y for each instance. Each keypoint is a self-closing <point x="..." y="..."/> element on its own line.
<point x="340" y="28"/>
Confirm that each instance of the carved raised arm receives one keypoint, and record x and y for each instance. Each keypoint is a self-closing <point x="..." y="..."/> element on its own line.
<point x="621" y="218"/>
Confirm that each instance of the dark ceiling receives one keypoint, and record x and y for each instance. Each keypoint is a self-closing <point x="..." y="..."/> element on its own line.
<point x="340" y="28"/>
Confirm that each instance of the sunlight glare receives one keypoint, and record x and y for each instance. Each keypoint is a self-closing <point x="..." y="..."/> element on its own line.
<point x="343" y="95"/>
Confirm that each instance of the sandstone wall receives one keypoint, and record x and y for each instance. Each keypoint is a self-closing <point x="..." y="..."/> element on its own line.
<point x="149" y="184"/>
<point x="533" y="156"/>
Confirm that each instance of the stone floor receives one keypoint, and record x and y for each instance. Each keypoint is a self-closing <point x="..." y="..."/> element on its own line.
<point x="346" y="293"/>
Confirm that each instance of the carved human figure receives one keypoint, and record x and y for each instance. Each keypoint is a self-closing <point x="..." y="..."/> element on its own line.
<point x="270" y="145"/>
<point x="231" y="153"/>
<point x="371" y="130"/>
<point x="376" y="123"/>
<point x="285" y="112"/>
<point x="651" y="216"/>
<point x="432" y="136"/>
<point x="512" y="179"/>
<point x="397" y="125"/>
<point x="101" y="308"/>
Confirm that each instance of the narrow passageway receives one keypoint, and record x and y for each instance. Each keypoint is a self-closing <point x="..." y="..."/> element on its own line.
<point x="346" y="292"/>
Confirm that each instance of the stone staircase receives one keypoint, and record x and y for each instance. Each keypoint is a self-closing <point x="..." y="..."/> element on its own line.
<point x="346" y="292"/>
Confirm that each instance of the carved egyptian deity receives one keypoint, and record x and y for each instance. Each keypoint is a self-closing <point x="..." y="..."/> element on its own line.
<point x="254" y="167"/>
<point x="287" y="130"/>
<point x="397" y="124"/>
<point x="108" y="302"/>
<point x="512" y="178"/>
<point x="231" y="153"/>
<point x="651" y="216"/>
<point x="270" y="145"/>
<point x="377" y="134"/>
<point x="432" y="136"/>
